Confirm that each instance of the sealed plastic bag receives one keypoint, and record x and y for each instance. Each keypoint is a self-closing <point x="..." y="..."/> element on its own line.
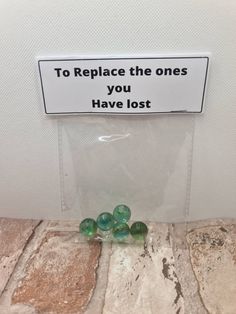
<point x="141" y="161"/>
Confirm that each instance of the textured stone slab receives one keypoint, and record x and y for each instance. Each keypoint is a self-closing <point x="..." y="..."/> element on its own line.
<point x="61" y="275"/>
<point x="187" y="279"/>
<point x="14" y="234"/>
<point x="142" y="278"/>
<point x="213" y="258"/>
<point x="96" y="304"/>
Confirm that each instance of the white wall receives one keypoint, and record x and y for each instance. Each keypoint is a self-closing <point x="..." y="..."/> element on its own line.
<point x="29" y="168"/>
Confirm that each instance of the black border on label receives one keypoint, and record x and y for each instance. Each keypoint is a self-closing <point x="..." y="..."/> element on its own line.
<point x="122" y="113"/>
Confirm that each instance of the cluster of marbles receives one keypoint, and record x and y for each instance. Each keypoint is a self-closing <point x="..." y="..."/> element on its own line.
<point x="116" y="224"/>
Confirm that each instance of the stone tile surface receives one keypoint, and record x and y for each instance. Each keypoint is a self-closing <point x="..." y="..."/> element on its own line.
<point x="192" y="300"/>
<point x="14" y="234"/>
<point x="96" y="303"/>
<point x="213" y="258"/>
<point x="60" y="276"/>
<point x="142" y="278"/>
<point x="182" y="268"/>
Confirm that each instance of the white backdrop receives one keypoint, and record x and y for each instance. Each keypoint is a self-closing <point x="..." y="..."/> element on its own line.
<point x="29" y="167"/>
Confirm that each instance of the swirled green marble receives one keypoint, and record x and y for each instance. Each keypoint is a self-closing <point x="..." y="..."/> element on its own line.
<point x="122" y="213"/>
<point x="105" y="221"/>
<point x="139" y="230"/>
<point x="88" y="227"/>
<point x="120" y="231"/>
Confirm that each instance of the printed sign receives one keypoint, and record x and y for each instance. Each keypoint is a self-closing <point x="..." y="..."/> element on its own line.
<point x="123" y="85"/>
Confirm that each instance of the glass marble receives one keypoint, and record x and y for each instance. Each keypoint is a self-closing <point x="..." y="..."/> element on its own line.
<point x="88" y="227"/>
<point x="122" y="213"/>
<point x="139" y="230"/>
<point x="105" y="221"/>
<point x="120" y="231"/>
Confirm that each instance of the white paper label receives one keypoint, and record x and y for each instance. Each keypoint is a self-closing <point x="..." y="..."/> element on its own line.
<point x="123" y="85"/>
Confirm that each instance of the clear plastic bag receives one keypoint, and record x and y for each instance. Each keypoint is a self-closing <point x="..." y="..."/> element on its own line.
<point x="141" y="161"/>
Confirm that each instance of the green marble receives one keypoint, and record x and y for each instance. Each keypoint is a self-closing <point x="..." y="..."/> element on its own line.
<point x="105" y="221"/>
<point x="139" y="230"/>
<point x="88" y="227"/>
<point x="122" y="213"/>
<point x="120" y="231"/>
